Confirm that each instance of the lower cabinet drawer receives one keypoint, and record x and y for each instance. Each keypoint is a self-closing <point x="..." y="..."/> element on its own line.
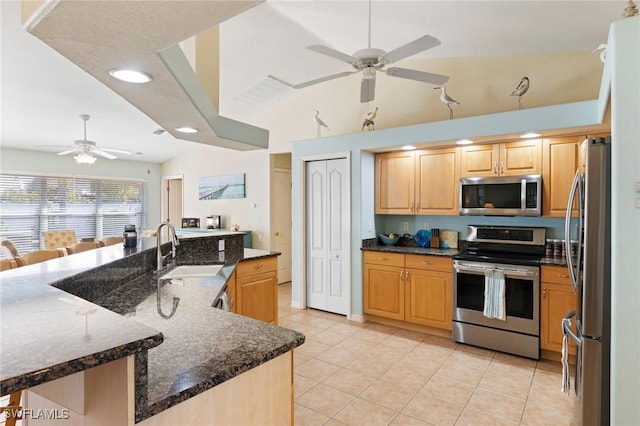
<point x="257" y="266"/>
<point x="384" y="258"/>
<point x="432" y="263"/>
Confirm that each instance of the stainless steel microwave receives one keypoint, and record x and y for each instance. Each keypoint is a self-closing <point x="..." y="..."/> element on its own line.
<point x="501" y="196"/>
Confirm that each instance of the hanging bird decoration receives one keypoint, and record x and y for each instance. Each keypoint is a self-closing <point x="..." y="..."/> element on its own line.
<point x="522" y="88"/>
<point x="630" y="10"/>
<point x="603" y="52"/>
<point x="368" y="120"/>
<point x="319" y="121"/>
<point x="447" y="100"/>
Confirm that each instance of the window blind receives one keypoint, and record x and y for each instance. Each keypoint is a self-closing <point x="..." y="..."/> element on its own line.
<point x="92" y="207"/>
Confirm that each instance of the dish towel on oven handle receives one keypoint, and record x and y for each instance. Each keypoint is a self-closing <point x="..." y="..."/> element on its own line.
<point x="494" y="290"/>
<point x="566" y="377"/>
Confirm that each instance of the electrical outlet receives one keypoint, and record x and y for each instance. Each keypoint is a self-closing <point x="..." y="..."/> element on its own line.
<point x="427" y="225"/>
<point x="370" y="226"/>
<point x="405" y="226"/>
<point x="220" y="245"/>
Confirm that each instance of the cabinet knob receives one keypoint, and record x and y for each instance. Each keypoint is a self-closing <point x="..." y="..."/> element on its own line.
<point x="401" y="275"/>
<point x="259" y="266"/>
<point x="495" y="167"/>
<point x="502" y="167"/>
<point x="406" y="275"/>
<point x="383" y="258"/>
<point x="563" y="275"/>
<point x="277" y="234"/>
<point x="544" y="292"/>
<point x="424" y="262"/>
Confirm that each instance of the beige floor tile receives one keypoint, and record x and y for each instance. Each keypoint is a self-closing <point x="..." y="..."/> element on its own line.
<point x="302" y="384"/>
<point x="307" y="329"/>
<point x="337" y="356"/>
<point x="298" y="358"/>
<point x="325" y="399"/>
<point x="538" y="415"/>
<point x="286" y="311"/>
<point x="548" y="378"/>
<point x="382" y="328"/>
<point x="547" y="365"/>
<point x="349" y="381"/>
<point x="357" y="346"/>
<point x="444" y="342"/>
<point x="433" y="350"/>
<point x="471" y="417"/>
<point x="407" y="377"/>
<point x="310" y="348"/>
<point x="449" y="390"/>
<point x="503" y="358"/>
<point x="328" y="337"/>
<point x="410" y="334"/>
<point x="333" y="422"/>
<point x="551" y="397"/>
<point x="322" y="323"/>
<point x="487" y="353"/>
<point x="404" y="420"/>
<point x="303" y="316"/>
<point x="461" y="373"/>
<point x="433" y="410"/>
<point x="346" y="328"/>
<point x="469" y="359"/>
<point x="388" y="395"/>
<point x="302" y="416"/>
<point x="315" y="369"/>
<point x="508" y="379"/>
<point x="398" y="343"/>
<point x="370" y="336"/>
<point x="370" y="365"/>
<point x="364" y="413"/>
<point x="497" y="405"/>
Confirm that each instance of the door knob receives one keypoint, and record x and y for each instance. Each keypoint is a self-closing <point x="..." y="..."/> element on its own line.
<point x="277" y="234"/>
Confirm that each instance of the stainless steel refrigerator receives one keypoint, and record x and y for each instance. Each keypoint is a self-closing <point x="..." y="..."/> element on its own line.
<point x="590" y="273"/>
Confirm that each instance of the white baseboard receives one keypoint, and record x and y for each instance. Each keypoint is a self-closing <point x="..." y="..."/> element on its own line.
<point x="297" y="305"/>
<point x="357" y="318"/>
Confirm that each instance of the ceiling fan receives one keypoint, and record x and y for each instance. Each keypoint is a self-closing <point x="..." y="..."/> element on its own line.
<point x="370" y="60"/>
<point x="85" y="148"/>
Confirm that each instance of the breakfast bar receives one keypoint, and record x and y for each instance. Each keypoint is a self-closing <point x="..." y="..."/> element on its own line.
<point x="158" y="349"/>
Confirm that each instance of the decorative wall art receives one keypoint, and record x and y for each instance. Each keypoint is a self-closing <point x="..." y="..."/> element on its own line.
<point x="220" y="187"/>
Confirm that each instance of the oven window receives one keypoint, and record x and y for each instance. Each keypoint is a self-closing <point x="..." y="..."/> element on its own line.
<point x="518" y="295"/>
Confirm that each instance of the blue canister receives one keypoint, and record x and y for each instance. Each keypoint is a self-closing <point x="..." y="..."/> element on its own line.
<point x="130" y="236"/>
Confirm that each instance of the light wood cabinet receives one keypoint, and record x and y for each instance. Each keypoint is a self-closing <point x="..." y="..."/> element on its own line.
<point x="428" y="292"/>
<point x="560" y="160"/>
<point x="503" y="159"/>
<point x="412" y="288"/>
<point x="256" y="289"/>
<point x="417" y="182"/>
<point x="437" y="176"/>
<point x="395" y="183"/>
<point x="557" y="299"/>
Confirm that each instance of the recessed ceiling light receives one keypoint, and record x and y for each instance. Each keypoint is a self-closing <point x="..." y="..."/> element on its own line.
<point x="408" y="147"/>
<point x="464" y="142"/>
<point x="530" y="135"/>
<point x="187" y="129"/>
<point x="130" y="76"/>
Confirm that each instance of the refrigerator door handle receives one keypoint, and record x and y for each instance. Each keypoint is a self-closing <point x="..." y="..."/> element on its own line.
<point x="573" y="268"/>
<point x="577" y="338"/>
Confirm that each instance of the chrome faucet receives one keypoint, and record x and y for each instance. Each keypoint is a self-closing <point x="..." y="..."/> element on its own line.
<point x="174" y="242"/>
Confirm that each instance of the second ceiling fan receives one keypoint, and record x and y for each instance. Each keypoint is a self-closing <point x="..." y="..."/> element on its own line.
<point x="370" y="60"/>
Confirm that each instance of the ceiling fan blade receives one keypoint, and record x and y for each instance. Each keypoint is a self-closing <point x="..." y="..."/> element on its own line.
<point x="69" y="151"/>
<point x="367" y="89"/>
<point x="423" y="43"/>
<point x="312" y="82"/>
<point x="333" y="53"/>
<point x="117" y="151"/>
<point x="103" y="154"/>
<point x="426" y="77"/>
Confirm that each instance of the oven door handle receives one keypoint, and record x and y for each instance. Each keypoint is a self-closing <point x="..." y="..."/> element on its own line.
<point x="482" y="269"/>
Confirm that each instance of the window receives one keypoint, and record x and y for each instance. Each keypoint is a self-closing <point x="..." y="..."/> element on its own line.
<point x="92" y="207"/>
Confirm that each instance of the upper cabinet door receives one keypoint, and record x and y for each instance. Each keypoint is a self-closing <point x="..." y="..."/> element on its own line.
<point x="395" y="183"/>
<point x="520" y="158"/>
<point x="479" y="160"/>
<point x="437" y="181"/>
<point x="561" y="158"/>
<point x="503" y="159"/>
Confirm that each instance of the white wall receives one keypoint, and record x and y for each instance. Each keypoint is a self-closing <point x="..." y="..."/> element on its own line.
<point x="204" y="160"/>
<point x="624" y="51"/>
<point x="16" y="160"/>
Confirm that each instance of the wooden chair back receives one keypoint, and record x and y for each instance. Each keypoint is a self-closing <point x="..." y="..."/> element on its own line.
<point x="59" y="238"/>
<point x="82" y="246"/>
<point x="109" y="241"/>
<point x="6" y="264"/>
<point x="38" y="256"/>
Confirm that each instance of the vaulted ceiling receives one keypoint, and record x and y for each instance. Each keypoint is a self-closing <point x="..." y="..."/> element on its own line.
<point x="43" y="92"/>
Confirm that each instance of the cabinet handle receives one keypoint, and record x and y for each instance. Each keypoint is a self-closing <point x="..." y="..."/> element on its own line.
<point x="424" y="262"/>
<point x="230" y="302"/>
<point x="563" y="275"/>
<point x="495" y="167"/>
<point x="383" y="258"/>
<point x="412" y="207"/>
<point x="501" y="167"/>
<point x="406" y="275"/>
<point x="544" y="292"/>
<point x="258" y="266"/>
<point x="401" y="275"/>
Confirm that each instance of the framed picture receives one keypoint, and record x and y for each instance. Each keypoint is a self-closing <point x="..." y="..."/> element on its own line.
<point x="221" y="187"/>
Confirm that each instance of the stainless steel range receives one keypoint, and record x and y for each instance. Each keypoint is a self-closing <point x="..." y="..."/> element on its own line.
<point x="514" y="253"/>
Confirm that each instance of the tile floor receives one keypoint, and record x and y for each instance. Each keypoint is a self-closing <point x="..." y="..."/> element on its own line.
<point x="349" y="373"/>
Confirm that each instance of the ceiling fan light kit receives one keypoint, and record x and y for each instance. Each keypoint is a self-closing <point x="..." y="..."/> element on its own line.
<point x="85" y="158"/>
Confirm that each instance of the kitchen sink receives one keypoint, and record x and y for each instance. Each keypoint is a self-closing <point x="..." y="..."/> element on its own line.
<point x="191" y="271"/>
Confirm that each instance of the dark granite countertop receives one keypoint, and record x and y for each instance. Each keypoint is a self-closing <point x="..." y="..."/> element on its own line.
<point x="412" y="250"/>
<point x="113" y="306"/>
